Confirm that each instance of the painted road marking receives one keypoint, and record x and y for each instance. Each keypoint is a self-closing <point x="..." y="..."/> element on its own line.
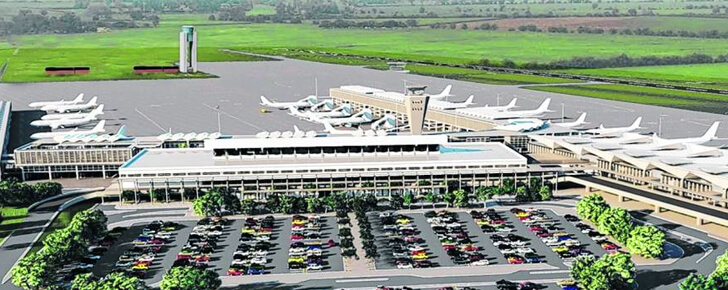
<point x="362" y="280"/>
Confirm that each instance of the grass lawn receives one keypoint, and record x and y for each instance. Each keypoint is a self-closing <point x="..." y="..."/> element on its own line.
<point x="704" y="102"/>
<point x="261" y="10"/>
<point x="106" y="63"/>
<point x="11" y="216"/>
<point x="698" y="75"/>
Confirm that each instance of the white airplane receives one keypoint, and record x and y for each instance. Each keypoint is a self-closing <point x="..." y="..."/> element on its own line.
<point x="72" y="108"/>
<point x="327" y="105"/>
<point x="664" y="144"/>
<point x="579" y="121"/>
<point x="302" y="103"/>
<point x="543" y="108"/>
<point x="444" y="94"/>
<point x="63" y="123"/>
<point x="387" y="122"/>
<point x="359" y="132"/>
<point x="450" y="105"/>
<point x="365" y="116"/>
<point x="342" y="111"/>
<point x="508" y="107"/>
<point x="522" y="125"/>
<point x="99" y="128"/>
<point x="57" y="103"/>
<point x="98" y="111"/>
<point x="610" y="132"/>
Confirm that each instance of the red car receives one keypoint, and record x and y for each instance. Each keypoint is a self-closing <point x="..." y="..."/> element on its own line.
<point x="448" y="247"/>
<point x="497" y="222"/>
<point x="536" y="228"/>
<point x="470" y="248"/>
<point x="157" y="242"/>
<point x="147" y="263"/>
<point x="515" y="260"/>
<point x="297" y="237"/>
<point x="418" y="252"/>
<point x="543" y="235"/>
<point x="235" y="272"/>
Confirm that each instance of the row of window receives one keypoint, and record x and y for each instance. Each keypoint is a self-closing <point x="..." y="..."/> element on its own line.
<point x="328" y="170"/>
<point x="82" y="156"/>
<point x="324" y="150"/>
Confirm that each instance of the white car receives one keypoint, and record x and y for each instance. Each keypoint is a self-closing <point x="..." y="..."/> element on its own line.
<point x="242" y="253"/>
<point x="239" y="262"/>
<point x="554" y="242"/>
<point x="572" y="242"/>
<point x="599" y="238"/>
<point x="389" y="227"/>
<point x="314" y="252"/>
<point x="261" y="253"/>
<point x="434" y="220"/>
<point x="524" y="250"/>
<point x="263" y="238"/>
<point x="82" y="266"/>
<point x="405" y="266"/>
<point x="385" y="214"/>
<point x="483" y="262"/>
<point x="453" y="225"/>
<point x="146" y="258"/>
<point x="296" y="250"/>
<point x="259" y="260"/>
<point x="415" y="248"/>
<point x="314" y="267"/>
<point x="504" y="230"/>
<point x="508" y="251"/>
<point x="400" y="254"/>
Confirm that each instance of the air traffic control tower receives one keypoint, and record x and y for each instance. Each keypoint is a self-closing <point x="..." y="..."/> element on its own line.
<point x="188" y="50"/>
<point x="415" y="102"/>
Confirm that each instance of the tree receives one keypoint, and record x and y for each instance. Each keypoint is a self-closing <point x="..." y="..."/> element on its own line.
<point x="591" y="207"/>
<point x="484" y="194"/>
<point x="408" y="197"/>
<point x="698" y="282"/>
<point x="120" y="281"/>
<point x="209" y="204"/>
<point x="189" y="278"/>
<point x="32" y="272"/>
<point x="460" y="197"/>
<point x="545" y="192"/>
<point x="522" y="194"/>
<point x="621" y="269"/>
<point x="611" y="271"/>
<point x="616" y="222"/>
<point x="396" y="201"/>
<point x="448" y="197"/>
<point x="431" y="197"/>
<point x="47" y="189"/>
<point x="248" y="206"/>
<point x="647" y="241"/>
<point x="312" y="204"/>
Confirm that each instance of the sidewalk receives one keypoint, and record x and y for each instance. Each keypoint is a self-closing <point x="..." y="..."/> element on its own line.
<point x="362" y="265"/>
<point x="21" y="239"/>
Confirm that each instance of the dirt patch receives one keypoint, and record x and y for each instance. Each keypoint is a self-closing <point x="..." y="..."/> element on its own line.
<point x="568" y="22"/>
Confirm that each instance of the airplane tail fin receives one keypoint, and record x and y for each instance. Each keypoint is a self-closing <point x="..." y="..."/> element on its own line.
<point x="79" y="98"/>
<point x="98" y="111"/>
<point x="296" y="129"/>
<point x="544" y="107"/>
<point x="512" y="104"/>
<point x="312" y="100"/>
<point x="294" y="111"/>
<point x="329" y="105"/>
<point x="470" y="101"/>
<point x="93" y="101"/>
<point x="446" y="91"/>
<point x="581" y="119"/>
<point x="367" y="115"/>
<point x="636" y="124"/>
<point x="99" y="127"/>
<point x="712" y="131"/>
<point x="122" y="132"/>
<point x="264" y="101"/>
<point x="601" y="126"/>
<point x="328" y="127"/>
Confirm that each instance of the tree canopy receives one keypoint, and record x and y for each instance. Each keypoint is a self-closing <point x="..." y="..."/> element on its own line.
<point x="189" y="278"/>
<point x="647" y="241"/>
<point x="591" y="207"/>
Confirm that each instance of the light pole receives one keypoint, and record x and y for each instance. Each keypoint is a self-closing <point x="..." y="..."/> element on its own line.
<point x="217" y="109"/>
<point x="659" y="126"/>
<point x="562" y="112"/>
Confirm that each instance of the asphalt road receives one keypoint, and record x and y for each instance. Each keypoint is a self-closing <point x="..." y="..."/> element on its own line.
<point x="152" y="107"/>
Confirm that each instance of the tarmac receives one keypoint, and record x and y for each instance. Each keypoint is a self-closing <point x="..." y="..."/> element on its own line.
<point x="152" y="107"/>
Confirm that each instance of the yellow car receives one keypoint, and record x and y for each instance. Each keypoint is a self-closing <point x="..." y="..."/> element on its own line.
<point x="560" y="249"/>
<point x="248" y="231"/>
<point x="295" y="260"/>
<point x="482" y="222"/>
<point x="567" y="282"/>
<point x="522" y="214"/>
<point x="140" y="267"/>
<point x="299" y="222"/>
<point x="419" y="256"/>
<point x="403" y="220"/>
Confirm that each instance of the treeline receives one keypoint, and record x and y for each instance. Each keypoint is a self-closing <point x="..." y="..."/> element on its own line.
<point x="339" y="23"/>
<point x="616" y="61"/>
<point x="16" y="193"/>
<point x="453" y="25"/>
<point x="27" y="22"/>
<point x="189" y="6"/>
<point x="716" y="34"/>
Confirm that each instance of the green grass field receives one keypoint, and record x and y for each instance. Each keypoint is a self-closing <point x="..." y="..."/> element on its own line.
<point x="695" y="101"/>
<point x="697" y="75"/>
<point x="11" y="216"/>
<point x="485" y="77"/>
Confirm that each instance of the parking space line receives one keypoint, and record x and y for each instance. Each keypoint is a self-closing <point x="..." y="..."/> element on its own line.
<point x="362" y="280"/>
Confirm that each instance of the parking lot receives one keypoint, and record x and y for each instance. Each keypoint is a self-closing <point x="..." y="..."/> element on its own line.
<point x="185" y="241"/>
<point x="532" y="249"/>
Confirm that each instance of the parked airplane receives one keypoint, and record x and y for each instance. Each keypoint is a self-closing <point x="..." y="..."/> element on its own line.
<point x="508" y="107"/>
<point x="327" y="105"/>
<point x="359" y="132"/>
<point x="341" y="111"/>
<point x="522" y="125"/>
<point x="302" y="103"/>
<point x="543" y="108"/>
<point x="450" y="105"/>
<point x="119" y="135"/>
<point x="579" y="121"/>
<point x="365" y="116"/>
<point x="72" y="108"/>
<point x="63" y="123"/>
<point x="98" y="111"/>
<point x="387" y="122"/>
<point x="444" y="94"/>
<point x="611" y="132"/>
<point x="664" y="144"/>
<point x="99" y="128"/>
<point x="57" y="103"/>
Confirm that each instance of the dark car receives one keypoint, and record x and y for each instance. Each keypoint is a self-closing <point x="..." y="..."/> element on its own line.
<point x="422" y="264"/>
<point x="459" y="260"/>
<point x="506" y="285"/>
<point x="430" y="214"/>
<point x="571" y="218"/>
<point x="181" y="263"/>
